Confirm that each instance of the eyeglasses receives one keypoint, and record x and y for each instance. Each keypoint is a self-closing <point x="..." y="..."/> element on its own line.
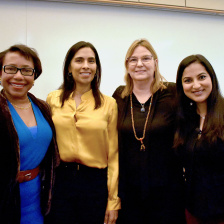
<point x="10" y="69"/>
<point x="144" y="60"/>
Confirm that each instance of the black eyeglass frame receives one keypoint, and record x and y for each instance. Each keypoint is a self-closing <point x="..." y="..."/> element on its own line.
<point x="18" y="69"/>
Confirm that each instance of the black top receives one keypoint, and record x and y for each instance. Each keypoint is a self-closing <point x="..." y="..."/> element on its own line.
<point x="143" y="172"/>
<point x="204" y="173"/>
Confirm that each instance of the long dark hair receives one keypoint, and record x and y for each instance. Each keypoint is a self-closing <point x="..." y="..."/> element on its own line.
<point x="28" y="53"/>
<point x="68" y="85"/>
<point x="214" y="123"/>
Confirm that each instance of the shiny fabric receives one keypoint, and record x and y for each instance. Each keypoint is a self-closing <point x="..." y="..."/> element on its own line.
<point x="88" y="136"/>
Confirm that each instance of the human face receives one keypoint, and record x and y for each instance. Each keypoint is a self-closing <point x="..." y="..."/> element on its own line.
<point x="16" y="85"/>
<point x="142" y="71"/>
<point x="197" y="83"/>
<point x="83" y="67"/>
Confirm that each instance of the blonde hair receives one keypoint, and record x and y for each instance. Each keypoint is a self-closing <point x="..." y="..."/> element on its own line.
<point x="158" y="78"/>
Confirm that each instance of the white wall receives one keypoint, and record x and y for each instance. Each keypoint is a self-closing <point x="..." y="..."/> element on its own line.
<point x="52" y="28"/>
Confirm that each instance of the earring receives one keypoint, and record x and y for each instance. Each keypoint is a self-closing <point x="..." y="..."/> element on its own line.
<point x="191" y="104"/>
<point x="69" y="74"/>
<point x="33" y="82"/>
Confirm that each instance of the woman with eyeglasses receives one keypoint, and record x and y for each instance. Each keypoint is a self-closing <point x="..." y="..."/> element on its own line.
<point x="150" y="176"/>
<point x="199" y="139"/>
<point x="86" y="186"/>
<point x="28" y="146"/>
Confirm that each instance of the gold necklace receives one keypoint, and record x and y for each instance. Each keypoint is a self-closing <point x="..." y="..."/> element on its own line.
<point x="22" y="108"/>
<point x="146" y="121"/>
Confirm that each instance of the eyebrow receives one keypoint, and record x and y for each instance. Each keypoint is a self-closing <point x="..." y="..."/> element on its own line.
<point x="202" y="73"/>
<point x="83" y="57"/>
<point x="142" y="56"/>
<point x="23" y="66"/>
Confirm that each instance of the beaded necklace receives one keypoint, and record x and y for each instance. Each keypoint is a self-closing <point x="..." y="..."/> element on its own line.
<point x="146" y="121"/>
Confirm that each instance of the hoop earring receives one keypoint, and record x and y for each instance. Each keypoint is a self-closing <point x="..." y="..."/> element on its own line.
<point x="69" y="74"/>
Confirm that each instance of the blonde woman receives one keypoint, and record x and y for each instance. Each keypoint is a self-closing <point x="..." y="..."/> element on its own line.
<point x="150" y="181"/>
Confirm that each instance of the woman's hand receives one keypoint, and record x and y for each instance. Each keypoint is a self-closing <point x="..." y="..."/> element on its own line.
<point x="111" y="217"/>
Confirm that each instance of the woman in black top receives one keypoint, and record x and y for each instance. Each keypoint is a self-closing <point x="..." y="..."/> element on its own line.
<point x="200" y="139"/>
<point x="150" y="177"/>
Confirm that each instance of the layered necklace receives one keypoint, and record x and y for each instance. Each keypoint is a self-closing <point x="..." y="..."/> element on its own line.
<point x="146" y="121"/>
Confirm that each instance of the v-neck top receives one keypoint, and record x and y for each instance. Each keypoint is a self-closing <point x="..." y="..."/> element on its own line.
<point x="33" y="147"/>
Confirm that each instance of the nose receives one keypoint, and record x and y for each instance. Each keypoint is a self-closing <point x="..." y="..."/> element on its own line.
<point x="196" y="85"/>
<point x="139" y="62"/>
<point x="85" y="64"/>
<point x="18" y="75"/>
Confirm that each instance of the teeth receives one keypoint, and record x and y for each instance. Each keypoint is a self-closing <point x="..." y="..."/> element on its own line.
<point x="85" y="73"/>
<point x="17" y="85"/>
<point x="198" y="92"/>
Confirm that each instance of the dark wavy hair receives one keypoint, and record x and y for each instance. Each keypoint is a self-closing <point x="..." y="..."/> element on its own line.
<point x="28" y="53"/>
<point x="68" y="85"/>
<point x="214" y="123"/>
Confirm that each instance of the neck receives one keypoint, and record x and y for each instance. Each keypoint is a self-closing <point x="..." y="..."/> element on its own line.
<point x="202" y="109"/>
<point x="79" y="91"/>
<point x="142" y="92"/>
<point x="17" y="100"/>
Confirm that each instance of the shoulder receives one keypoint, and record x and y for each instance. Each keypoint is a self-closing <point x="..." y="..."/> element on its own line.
<point x="4" y="109"/>
<point x="55" y="94"/>
<point x="170" y="89"/>
<point x="171" y="86"/>
<point x="118" y="91"/>
<point x="54" y="97"/>
<point x="108" y="100"/>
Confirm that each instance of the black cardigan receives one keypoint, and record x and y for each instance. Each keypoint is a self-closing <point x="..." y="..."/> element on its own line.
<point x="10" y="164"/>
<point x="160" y="166"/>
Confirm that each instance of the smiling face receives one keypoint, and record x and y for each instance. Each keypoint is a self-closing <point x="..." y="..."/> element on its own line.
<point x="144" y="69"/>
<point x="197" y="83"/>
<point x="83" y="67"/>
<point x="16" y="85"/>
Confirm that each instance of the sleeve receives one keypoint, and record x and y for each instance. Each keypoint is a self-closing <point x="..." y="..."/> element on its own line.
<point x="112" y="182"/>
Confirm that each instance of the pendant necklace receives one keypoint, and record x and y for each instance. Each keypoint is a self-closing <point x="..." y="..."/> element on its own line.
<point x="146" y="121"/>
<point x="143" y="107"/>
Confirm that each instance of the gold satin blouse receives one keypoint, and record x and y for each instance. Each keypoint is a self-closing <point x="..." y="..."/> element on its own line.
<point x="88" y="136"/>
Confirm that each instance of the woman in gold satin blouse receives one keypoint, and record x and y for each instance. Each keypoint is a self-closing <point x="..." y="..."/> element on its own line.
<point x="86" y="184"/>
